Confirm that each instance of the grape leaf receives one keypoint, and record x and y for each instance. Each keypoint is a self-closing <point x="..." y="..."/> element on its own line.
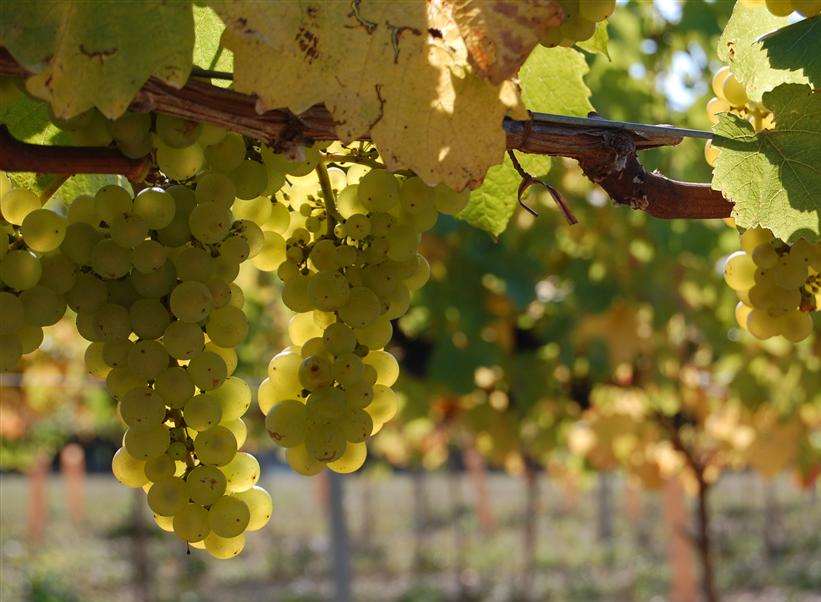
<point x="597" y="44"/>
<point x="493" y="203"/>
<point x="500" y="35"/>
<point x="208" y="52"/>
<point x="773" y="177"/>
<point x="739" y="46"/>
<point x="396" y="70"/>
<point x="796" y="47"/>
<point x="85" y="54"/>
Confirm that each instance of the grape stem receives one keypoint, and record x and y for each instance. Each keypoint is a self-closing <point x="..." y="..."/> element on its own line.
<point x="328" y="197"/>
<point x="354" y="158"/>
<point x="528" y="180"/>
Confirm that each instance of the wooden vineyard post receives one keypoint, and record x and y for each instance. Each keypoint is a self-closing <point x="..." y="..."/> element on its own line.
<point x="38" y="493"/>
<point x="338" y="531"/>
<point x="680" y="559"/>
<point x="530" y="530"/>
<point x="73" y="467"/>
<point x="477" y="472"/>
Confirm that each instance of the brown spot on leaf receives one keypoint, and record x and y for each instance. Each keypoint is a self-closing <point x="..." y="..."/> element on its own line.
<point x="308" y="42"/>
<point x="98" y="55"/>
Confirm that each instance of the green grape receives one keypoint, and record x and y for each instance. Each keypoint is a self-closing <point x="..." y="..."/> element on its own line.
<point x="224" y="548"/>
<point x="228" y="516"/>
<point x="739" y="271"/>
<point x="87" y="327"/>
<point x="79" y="242"/>
<point x="267" y="395"/>
<point x="351" y="459"/>
<point x="242" y="472"/>
<point x="227" y="326"/>
<point x="790" y="272"/>
<point x="128" y="231"/>
<point x="210" y="223"/>
<point x="180" y="163"/>
<point x="715" y="107"/>
<point x="357" y="226"/>
<point x="762" y="324"/>
<point x="347" y="369"/>
<point x="415" y="196"/>
<point x="236" y="249"/>
<point x="142" y="407"/>
<point x="296" y="167"/>
<point x="131" y="127"/>
<point x="328" y="290"/>
<point x="155" y="284"/>
<point x="283" y="369"/>
<point x="191" y="301"/>
<point x="422" y="221"/>
<point x="93" y="358"/>
<point x="339" y="338"/>
<point x="167" y="497"/>
<point x="160" y="468"/>
<point x="324" y="441"/>
<point x="59" y="273"/>
<point x="596" y="10"/>
<point x="295" y="293"/>
<point x="348" y="203"/>
<point x="228" y="355"/>
<point x="780" y="8"/>
<point x="286" y="424"/>
<point x="191" y="523"/>
<point x="136" y="149"/>
<point x="765" y="256"/>
<point x="766" y="295"/>
<point x="110" y="260"/>
<point x="234" y="397"/>
<point x="754" y="237"/>
<point x="177" y="132"/>
<point x="325" y="402"/>
<point x="31" y="337"/>
<point x="149" y="318"/>
<point x="239" y="429"/>
<point x="324" y="255"/>
<point x="194" y="263"/>
<point x="215" y="187"/>
<point x="279" y="220"/>
<point x="112" y="322"/>
<point x="356" y="425"/>
<point x="121" y="380"/>
<point x="734" y="91"/>
<point x="225" y="270"/>
<point x="449" y="201"/>
<point x="315" y="346"/>
<point x="402" y="243"/>
<point x="252" y="234"/>
<point x="227" y="154"/>
<point x="166" y="523"/>
<point x="11" y="313"/>
<point x="215" y="446"/>
<point x="250" y="179"/>
<point x="220" y="294"/>
<point x="315" y="372"/>
<point x="88" y="294"/>
<point x="97" y="132"/>
<point x="20" y="270"/>
<point x="42" y="306"/>
<point x="43" y="230"/>
<point x="128" y="470"/>
<point x="378" y="191"/>
<point x="207" y="370"/>
<point x="260" y="507"/>
<point x="387" y="368"/>
<point x="205" y="485"/>
<point x="155" y="206"/>
<point x="121" y="292"/>
<point x="302" y="462"/>
<point x="271" y="252"/>
<point x="384" y="405"/>
<point x="359" y="395"/>
<point x="11" y="348"/>
<point x="362" y="308"/>
<point x="202" y="412"/>
<point x="211" y="134"/>
<point x="144" y="443"/>
<point x="112" y="201"/>
<point x="577" y="28"/>
<point x="83" y="210"/>
<point x="174" y="386"/>
<point x="147" y="359"/>
<point x="115" y="353"/>
<point x="287" y="270"/>
<point x="795" y="326"/>
<point x="742" y="312"/>
<point x="398" y="303"/>
<point x="16" y="204"/>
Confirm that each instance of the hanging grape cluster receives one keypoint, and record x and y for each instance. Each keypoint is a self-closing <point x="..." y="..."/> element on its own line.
<point x="347" y="273"/>
<point x="580" y="18"/>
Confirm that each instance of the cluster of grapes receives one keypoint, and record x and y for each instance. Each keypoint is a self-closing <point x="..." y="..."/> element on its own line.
<point x="580" y="18"/>
<point x="783" y="8"/>
<point x="347" y="273"/>
<point x="731" y="97"/>
<point x="778" y="285"/>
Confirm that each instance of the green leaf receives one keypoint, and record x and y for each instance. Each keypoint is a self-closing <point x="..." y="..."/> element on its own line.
<point x="493" y="203"/>
<point x="597" y="44"/>
<point x="87" y="54"/>
<point x="796" y="47"/>
<point x="774" y="176"/>
<point x="208" y="51"/>
<point x="739" y="46"/>
<point x="552" y="81"/>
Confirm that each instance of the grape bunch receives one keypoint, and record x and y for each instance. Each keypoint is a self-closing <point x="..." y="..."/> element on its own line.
<point x="347" y="272"/>
<point x="778" y="285"/>
<point x="783" y="8"/>
<point x="580" y="18"/>
<point x="33" y="278"/>
<point x="731" y="97"/>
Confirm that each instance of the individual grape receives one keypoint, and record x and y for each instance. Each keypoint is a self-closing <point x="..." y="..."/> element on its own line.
<point x="128" y="470"/>
<point x="761" y="324"/>
<point x="236" y="249"/>
<point x="11" y="348"/>
<point x="711" y="153"/>
<point x="20" y="270"/>
<point x="147" y="359"/>
<point x="112" y="201"/>
<point x="220" y="293"/>
<point x="239" y="429"/>
<point x="215" y="446"/>
<point x="351" y="460"/>
<point x="415" y="196"/>
<point x="242" y="472"/>
<point x="211" y="134"/>
<point x="149" y="318"/>
<point x="210" y="223"/>
<point x="716" y="106"/>
<point x="131" y="126"/>
<point x="260" y="507"/>
<point x="271" y="253"/>
<point x="79" y="242"/>
<point x="31" y="337"/>
<point x="780" y="8"/>
<point x="144" y="443"/>
<point x="339" y="338"/>
<point x="115" y="353"/>
<point x="228" y="355"/>
<point x="166" y="523"/>
<point x="110" y="260"/>
<point x="83" y="210"/>
<point x="302" y="462"/>
<point x="215" y="187"/>
<point x="357" y="226"/>
<point x="742" y="312"/>
<point x="112" y="322"/>
<point x="359" y="395"/>
<point x="596" y="10"/>
<point x="755" y="237"/>
<point x="765" y="256"/>
<point x="286" y="423"/>
<point x="167" y="497"/>
<point x="207" y="370"/>
<point x="734" y="91"/>
<point x="324" y="255"/>
<point x="142" y="407"/>
<point x="347" y="369"/>
<point x="205" y="485"/>
<point x="177" y="132"/>
<point x="191" y="523"/>
<point x="88" y="294"/>
<point x="295" y="294"/>
<point x="387" y="368"/>
<point x="160" y="468"/>
<point x="128" y="231"/>
<point x="180" y="163"/>
<point x="202" y="412"/>
<point x="357" y="425"/>
<point x="227" y="154"/>
<point x="155" y="206"/>
<point x="191" y="301"/>
<point x="795" y="326"/>
<point x="94" y="362"/>
<point x="155" y="284"/>
<point x="11" y="313"/>
<point x="234" y="398"/>
<point x="174" y="386"/>
<point x="402" y="243"/>
<point x="227" y="326"/>
<point x="378" y="191"/>
<point x="250" y="179"/>
<point x="295" y="167"/>
<point x="384" y="405"/>
<point x="315" y="372"/>
<point x="59" y="273"/>
<point x="121" y="380"/>
<point x="279" y="219"/>
<point x="362" y="308"/>
<point x="325" y="402"/>
<point x="324" y="441"/>
<point x="328" y="290"/>
<point x="267" y="395"/>
<point x="739" y="271"/>
<point x="719" y="78"/>
<point x="43" y="230"/>
<point x="87" y="327"/>
<point x="16" y="204"/>
<point x="223" y="548"/>
<point x="790" y="272"/>
<point x="194" y="263"/>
